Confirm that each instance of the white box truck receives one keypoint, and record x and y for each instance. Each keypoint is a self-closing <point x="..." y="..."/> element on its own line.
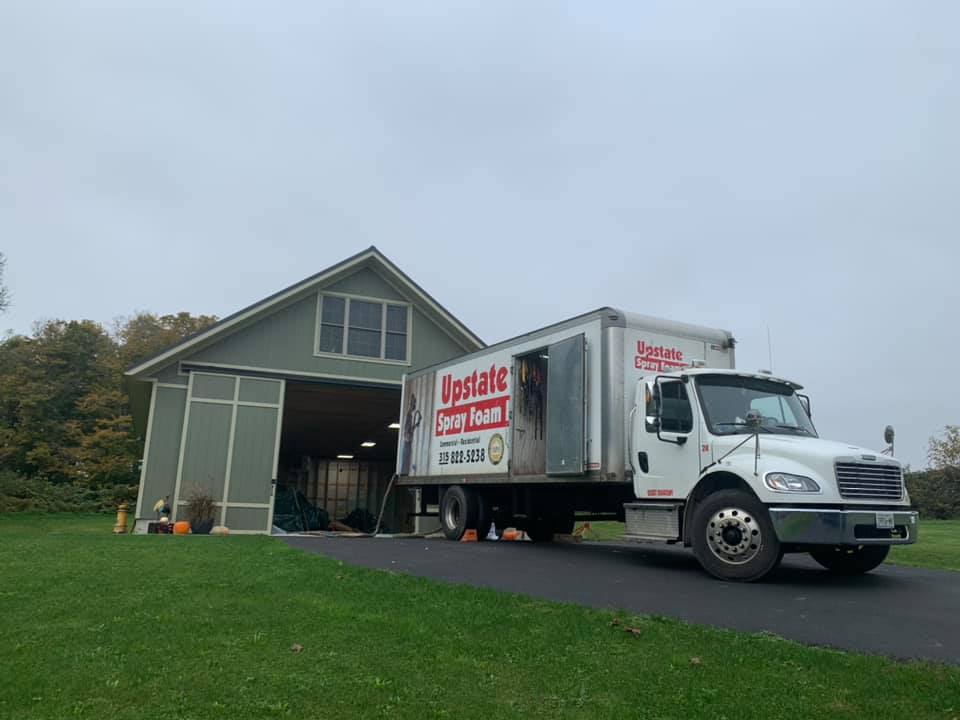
<point x="614" y="415"/>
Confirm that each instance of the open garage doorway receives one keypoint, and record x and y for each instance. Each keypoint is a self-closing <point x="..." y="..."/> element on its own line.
<point x="338" y="450"/>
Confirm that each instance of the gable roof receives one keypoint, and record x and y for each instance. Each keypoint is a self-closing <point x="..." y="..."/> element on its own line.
<point x="371" y="257"/>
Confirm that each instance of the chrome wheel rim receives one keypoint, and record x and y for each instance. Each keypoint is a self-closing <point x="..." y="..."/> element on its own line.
<point x="451" y="514"/>
<point x="734" y="536"/>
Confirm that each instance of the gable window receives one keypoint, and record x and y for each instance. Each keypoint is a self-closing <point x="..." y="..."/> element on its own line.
<point x="363" y="328"/>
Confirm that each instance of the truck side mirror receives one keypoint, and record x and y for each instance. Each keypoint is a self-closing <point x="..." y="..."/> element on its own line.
<point x="805" y="401"/>
<point x="657" y="419"/>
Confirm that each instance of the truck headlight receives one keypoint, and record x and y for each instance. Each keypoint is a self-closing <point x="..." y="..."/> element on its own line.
<point x="785" y="482"/>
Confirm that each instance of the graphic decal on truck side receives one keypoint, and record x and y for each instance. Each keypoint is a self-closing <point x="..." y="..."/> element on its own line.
<point x="487" y="414"/>
<point x="653" y="357"/>
<point x="450" y="420"/>
<point x="414" y="456"/>
<point x="470" y="404"/>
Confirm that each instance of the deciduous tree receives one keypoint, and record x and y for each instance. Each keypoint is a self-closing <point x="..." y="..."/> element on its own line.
<point x="944" y="448"/>
<point x="64" y="415"/>
<point x="4" y="290"/>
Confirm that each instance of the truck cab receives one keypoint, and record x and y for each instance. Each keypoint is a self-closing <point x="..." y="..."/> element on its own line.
<point x="731" y="464"/>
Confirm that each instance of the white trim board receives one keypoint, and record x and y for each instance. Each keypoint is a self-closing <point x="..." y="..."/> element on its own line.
<point x="276" y="457"/>
<point x="255" y="506"/>
<point x="289" y="373"/>
<point x="230" y="439"/>
<point x="183" y="446"/>
<point x="146" y="449"/>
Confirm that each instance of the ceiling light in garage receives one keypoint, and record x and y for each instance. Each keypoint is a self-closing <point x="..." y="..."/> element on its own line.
<point x="344" y="457"/>
<point x="367" y="444"/>
<point x="393" y="426"/>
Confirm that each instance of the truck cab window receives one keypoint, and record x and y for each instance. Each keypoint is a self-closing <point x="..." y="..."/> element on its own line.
<point x="676" y="415"/>
<point x="773" y="407"/>
<point x="726" y="401"/>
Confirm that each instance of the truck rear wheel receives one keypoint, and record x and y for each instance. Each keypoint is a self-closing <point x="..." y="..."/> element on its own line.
<point x="850" y="559"/>
<point x="733" y="538"/>
<point x="458" y="511"/>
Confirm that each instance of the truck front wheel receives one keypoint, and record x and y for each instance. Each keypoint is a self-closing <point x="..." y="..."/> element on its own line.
<point x="458" y="511"/>
<point x="850" y="559"/>
<point x="733" y="537"/>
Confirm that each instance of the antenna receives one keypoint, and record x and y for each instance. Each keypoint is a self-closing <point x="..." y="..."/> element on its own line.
<point x="769" y="348"/>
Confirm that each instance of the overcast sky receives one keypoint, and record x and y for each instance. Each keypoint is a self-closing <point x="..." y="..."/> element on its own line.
<point x="729" y="164"/>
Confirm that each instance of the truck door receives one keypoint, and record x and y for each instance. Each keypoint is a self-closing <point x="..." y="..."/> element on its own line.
<point x="664" y="454"/>
<point x="565" y="406"/>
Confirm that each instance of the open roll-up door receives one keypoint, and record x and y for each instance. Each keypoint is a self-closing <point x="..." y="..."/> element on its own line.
<point x="566" y="371"/>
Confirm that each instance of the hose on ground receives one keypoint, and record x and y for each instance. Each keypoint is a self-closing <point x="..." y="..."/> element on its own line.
<point x="383" y="505"/>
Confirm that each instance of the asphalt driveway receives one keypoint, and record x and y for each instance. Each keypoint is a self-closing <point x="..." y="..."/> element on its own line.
<point x="896" y="611"/>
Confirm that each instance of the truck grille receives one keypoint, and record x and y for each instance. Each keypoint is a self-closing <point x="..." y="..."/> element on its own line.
<point x="870" y="480"/>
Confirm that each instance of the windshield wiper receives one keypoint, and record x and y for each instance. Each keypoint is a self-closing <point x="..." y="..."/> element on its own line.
<point x="743" y="424"/>
<point x="795" y="427"/>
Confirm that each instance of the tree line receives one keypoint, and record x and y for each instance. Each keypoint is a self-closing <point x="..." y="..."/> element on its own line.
<point x="66" y="432"/>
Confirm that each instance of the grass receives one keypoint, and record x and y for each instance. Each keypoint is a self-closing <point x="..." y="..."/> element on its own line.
<point x="938" y="546"/>
<point x="98" y="626"/>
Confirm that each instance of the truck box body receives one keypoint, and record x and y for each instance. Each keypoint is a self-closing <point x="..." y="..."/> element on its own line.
<point x="550" y="406"/>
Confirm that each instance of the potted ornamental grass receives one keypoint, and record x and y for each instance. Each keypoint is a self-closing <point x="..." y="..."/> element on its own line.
<point x="201" y="511"/>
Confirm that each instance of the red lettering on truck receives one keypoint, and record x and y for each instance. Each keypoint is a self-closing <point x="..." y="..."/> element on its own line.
<point x="476" y="384"/>
<point x="472" y="417"/>
<point x="658" y="358"/>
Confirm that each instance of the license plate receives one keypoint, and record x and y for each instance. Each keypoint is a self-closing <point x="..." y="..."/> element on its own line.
<point x="885" y="521"/>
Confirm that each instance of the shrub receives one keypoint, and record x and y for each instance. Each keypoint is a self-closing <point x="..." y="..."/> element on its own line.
<point x="20" y="494"/>
<point x="935" y="493"/>
<point x="201" y="505"/>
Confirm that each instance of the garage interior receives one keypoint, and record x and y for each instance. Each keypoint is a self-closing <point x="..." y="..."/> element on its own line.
<point x="338" y="451"/>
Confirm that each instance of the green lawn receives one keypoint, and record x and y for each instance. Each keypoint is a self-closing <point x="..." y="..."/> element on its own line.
<point x="96" y="626"/>
<point x="938" y="546"/>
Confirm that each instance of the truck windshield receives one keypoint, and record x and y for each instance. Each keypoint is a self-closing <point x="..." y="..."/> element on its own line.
<point x="726" y="400"/>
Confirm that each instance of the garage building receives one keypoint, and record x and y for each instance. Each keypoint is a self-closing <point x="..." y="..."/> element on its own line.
<point x="300" y="390"/>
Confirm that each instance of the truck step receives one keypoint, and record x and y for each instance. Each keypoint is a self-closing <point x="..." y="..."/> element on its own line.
<point x="653" y="521"/>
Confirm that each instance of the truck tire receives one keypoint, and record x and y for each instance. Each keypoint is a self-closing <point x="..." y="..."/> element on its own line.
<point x="733" y="538"/>
<point x="850" y="559"/>
<point x="458" y="512"/>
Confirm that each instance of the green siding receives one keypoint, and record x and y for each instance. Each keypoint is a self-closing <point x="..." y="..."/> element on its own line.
<point x="430" y="344"/>
<point x="160" y="474"/>
<point x="171" y="374"/>
<point x="285" y="342"/>
<point x="261" y="391"/>
<point x="205" y="455"/>
<point x="253" y="447"/>
<point x="216" y="387"/>
<point x="365" y="283"/>
<point x="247" y="519"/>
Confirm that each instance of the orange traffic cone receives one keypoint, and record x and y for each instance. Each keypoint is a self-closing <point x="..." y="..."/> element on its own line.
<point x="469" y="536"/>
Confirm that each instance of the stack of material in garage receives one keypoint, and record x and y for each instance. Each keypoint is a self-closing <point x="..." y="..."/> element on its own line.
<point x="292" y="512"/>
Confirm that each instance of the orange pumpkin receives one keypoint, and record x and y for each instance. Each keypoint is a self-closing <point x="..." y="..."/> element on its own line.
<point x="181" y="527"/>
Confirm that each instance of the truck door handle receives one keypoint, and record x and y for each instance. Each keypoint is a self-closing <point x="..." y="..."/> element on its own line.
<point x="643" y="461"/>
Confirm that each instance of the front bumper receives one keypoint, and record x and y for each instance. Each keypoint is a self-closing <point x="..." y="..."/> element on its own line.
<point x="810" y="526"/>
